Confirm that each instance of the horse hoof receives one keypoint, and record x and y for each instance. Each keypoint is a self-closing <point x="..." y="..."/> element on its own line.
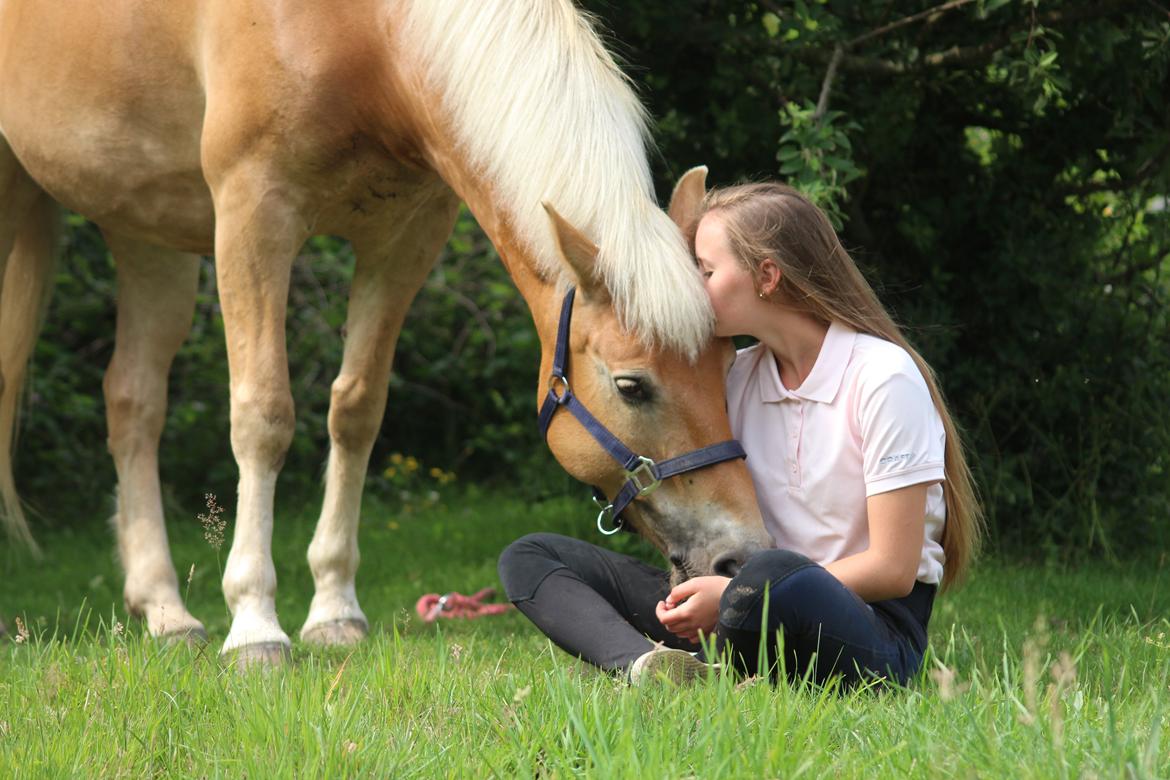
<point x="337" y="633"/>
<point x="194" y="637"/>
<point x="262" y="655"/>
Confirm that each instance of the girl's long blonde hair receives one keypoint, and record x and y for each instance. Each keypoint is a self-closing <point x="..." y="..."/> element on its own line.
<point x="774" y="221"/>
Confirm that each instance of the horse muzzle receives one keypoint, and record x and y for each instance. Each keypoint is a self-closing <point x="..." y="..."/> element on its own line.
<point x="724" y="560"/>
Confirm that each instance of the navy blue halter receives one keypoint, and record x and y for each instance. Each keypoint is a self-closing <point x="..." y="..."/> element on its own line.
<point x="643" y="475"/>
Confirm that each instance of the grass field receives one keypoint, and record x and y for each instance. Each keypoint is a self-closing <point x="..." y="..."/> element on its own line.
<point x="1036" y="672"/>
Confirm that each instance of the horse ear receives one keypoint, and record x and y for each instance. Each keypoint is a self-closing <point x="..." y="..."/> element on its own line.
<point x="579" y="253"/>
<point x="687" y="198"/>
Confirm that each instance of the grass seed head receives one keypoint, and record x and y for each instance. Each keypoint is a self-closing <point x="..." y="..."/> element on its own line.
<point x="213" y="522"/>
<point x="947" y="681"/>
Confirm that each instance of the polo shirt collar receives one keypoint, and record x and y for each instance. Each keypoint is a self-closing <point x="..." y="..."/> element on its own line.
<point x="823" y="382"/>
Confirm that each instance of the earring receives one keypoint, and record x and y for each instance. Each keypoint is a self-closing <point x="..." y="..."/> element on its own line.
<point x="762" y="296"/>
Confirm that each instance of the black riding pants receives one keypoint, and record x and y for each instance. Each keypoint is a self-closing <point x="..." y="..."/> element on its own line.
<point x="599" y="606"/>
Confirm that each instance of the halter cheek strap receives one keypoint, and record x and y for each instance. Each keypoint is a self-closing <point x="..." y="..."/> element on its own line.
<point x="643" y="475"/>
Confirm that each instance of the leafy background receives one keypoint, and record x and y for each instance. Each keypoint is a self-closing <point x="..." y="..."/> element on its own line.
<point x="999" y="169"/>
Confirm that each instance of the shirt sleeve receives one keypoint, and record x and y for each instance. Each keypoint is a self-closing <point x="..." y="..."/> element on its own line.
<point x="903" y="442"/>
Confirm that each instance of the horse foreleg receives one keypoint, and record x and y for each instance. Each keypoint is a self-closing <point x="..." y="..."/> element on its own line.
<point x="156" y="301"/>
<point x="258" y="233"/>
<point x="388" y="276"/>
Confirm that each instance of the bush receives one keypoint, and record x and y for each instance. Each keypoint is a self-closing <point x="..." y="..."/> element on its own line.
<point x="462" y="395"/>
<point x="1011" y="210"/>
<point x="1000" y="169"/>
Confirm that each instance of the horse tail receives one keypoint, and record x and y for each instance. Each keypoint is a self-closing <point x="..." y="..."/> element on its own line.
<point x="24" y="298"/>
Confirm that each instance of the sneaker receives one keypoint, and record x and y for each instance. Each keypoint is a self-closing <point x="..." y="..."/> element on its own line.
<point x="677" y="667"/>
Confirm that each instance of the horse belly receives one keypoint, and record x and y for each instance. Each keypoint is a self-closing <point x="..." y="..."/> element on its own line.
<point x="126" y="190"/>
<point x="103" y="107"/>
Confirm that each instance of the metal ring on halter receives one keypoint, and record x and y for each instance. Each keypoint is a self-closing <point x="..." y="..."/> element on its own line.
<point x="645" y="469"/>
<point x="552" y="383"/>
<point x="608" y="510"/>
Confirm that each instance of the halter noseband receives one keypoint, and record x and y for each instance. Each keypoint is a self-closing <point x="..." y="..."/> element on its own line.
<point x="643" y="475"/>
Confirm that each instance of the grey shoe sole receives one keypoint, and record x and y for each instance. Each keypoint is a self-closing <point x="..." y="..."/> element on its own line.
<point x="677" y="667"/>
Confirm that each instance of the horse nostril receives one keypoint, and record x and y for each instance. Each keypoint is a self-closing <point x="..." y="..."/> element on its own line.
<point x="728" y="564"/>
<point x="676" y="560"/>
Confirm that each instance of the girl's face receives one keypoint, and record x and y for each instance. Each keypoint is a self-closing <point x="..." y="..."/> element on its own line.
<point x="729" y="282"/>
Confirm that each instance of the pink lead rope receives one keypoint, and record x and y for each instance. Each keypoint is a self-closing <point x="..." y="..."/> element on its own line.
<point x="455" y="605"/>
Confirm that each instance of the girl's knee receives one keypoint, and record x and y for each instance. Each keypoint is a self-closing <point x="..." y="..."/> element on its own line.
<point x="770" y="567"/>
<point x="529" y="544"/>
<point x="524" y="548"/>
<point x="525" y="563"/>
<point x="763" y="572"/>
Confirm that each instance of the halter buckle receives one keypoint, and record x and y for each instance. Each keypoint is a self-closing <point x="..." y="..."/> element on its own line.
<point x="644" y="477"/>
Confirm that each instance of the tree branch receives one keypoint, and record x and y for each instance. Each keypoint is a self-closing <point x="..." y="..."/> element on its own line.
<point x="905" y="20"/>
<point x="827" y="84"/>
<point x="1158" y="8"/>
<point x="955" y="56"/>
<point x="1123" y="278"/>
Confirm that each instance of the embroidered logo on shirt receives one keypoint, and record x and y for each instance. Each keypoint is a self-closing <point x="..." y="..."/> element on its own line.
<point x="896" y="458"/>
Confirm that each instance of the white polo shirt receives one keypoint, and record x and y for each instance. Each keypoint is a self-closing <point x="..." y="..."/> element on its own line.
<point x="860" y="424"/>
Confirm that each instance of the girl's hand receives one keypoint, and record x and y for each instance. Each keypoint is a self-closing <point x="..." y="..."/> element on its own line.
<point x="692" y="608"/>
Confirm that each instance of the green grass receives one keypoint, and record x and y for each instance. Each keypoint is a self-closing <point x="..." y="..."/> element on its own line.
<point x="87" y="695"/>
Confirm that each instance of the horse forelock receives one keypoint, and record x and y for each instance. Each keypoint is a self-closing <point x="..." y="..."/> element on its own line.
<point x="540" y="107"/>
<point x="656" y="289"/>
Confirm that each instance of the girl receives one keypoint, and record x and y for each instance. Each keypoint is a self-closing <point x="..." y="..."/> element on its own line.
<point x="857" y="466"/>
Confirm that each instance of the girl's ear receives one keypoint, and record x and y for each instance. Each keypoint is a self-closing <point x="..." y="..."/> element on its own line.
<point x="768" y="278"/>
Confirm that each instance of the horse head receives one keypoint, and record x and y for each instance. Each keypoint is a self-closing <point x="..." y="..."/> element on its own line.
<point x="659" y="404"/>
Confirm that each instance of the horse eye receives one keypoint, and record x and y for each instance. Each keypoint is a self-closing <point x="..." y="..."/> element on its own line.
<point x="633" y="389"/>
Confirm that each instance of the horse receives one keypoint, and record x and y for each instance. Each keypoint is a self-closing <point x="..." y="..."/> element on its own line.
<point x="240" y="128"/>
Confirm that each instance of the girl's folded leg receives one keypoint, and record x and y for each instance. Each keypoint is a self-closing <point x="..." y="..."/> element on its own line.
<point x="825" y="628"/>
<point x="593" y="603"/>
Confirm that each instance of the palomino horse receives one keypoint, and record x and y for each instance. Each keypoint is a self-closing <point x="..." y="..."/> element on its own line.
<point x="242" y="127"/>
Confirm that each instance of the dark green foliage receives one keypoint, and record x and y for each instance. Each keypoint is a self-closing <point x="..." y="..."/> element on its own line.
<point x="999" y="168"/>
<point x="462" y="396"/>
<point x="1011" y="212"/>
<point x="465" y="373"/>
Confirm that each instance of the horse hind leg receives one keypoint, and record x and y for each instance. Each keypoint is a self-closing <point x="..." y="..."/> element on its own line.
<point x="388" y="276"/>
<point x="156" y="301"/>
<point x="28" y="224"/>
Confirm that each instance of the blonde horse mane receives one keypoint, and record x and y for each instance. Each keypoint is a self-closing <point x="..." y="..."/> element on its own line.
<point x="572" y="132"/>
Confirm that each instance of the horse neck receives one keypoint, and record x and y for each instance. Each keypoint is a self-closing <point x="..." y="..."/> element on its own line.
<point x="526" y="260"/>
<point x="511" y="114"/>
<point x="541" y="294"/>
